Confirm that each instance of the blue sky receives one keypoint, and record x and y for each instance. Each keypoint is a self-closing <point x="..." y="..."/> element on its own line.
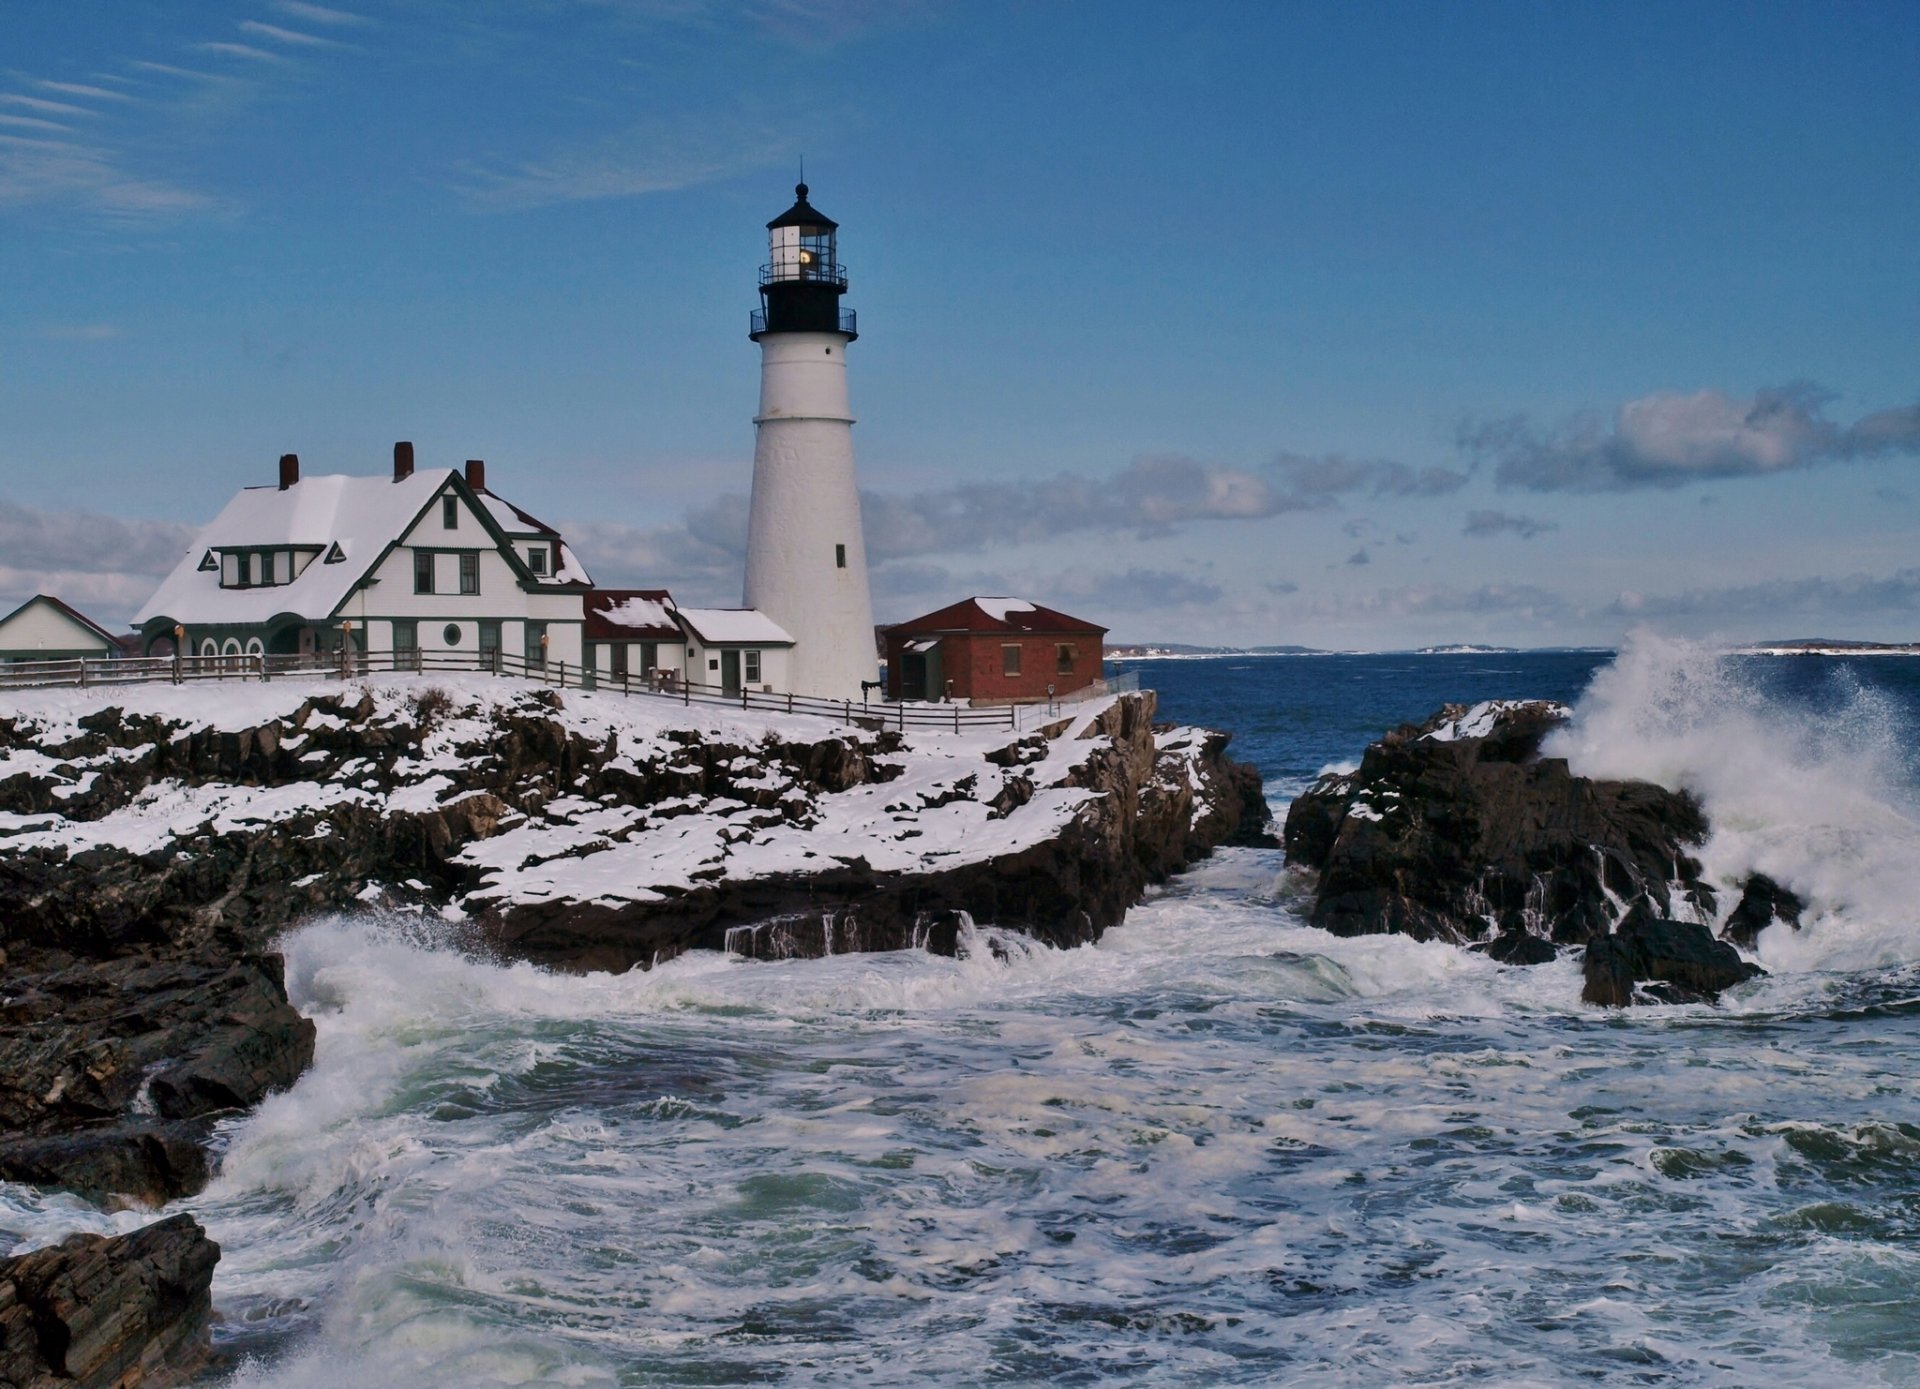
<point x="1353" y="326"/>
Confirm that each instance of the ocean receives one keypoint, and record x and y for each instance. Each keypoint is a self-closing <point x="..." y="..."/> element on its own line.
<point x="1219" y="1147"/>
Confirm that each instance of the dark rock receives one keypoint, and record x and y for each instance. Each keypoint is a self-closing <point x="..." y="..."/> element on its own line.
<point x="146" y="1162"/>
<point x="87" y="1044"/>
<point x="126" y="1311"/>
<point x="1762" y="902"/>
<point x="1462" y="836"/>
<point x="1680" y="961"/>
<point x="1165" y="801"/>
<point x="1519" y="948"/>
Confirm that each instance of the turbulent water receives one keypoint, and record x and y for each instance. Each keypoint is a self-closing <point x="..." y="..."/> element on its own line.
<point x="1217" y="1148"/>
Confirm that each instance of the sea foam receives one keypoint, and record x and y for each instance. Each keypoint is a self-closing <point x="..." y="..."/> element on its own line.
<point x="1816" y="793"/>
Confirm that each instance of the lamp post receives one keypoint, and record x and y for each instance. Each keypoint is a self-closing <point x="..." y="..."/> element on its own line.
<point x="346" y="646"/>
<point x="179" y="649"/>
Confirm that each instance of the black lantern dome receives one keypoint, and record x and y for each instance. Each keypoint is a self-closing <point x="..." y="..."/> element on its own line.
<point x="802" y="281"/>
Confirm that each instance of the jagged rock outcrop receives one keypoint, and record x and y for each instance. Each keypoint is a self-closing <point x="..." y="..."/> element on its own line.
<point x="1668" y="961"/>
<point x="1457" y="829"/>
<point x="111" y="1068"/>
<point x="1161" y="799"/>
<point x="109" y="1312"/>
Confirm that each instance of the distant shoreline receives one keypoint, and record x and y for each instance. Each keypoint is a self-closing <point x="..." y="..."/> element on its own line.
<point x="1776" y="648"/>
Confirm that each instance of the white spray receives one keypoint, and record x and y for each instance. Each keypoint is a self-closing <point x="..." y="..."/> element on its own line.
<point x="1820" y="801"/>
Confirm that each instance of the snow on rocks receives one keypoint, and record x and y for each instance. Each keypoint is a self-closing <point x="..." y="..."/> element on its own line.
<point x="584" y="829"/>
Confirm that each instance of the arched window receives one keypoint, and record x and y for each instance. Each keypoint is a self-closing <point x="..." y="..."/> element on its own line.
<point x="209" y="647"/>
<point x="256" y="647"/>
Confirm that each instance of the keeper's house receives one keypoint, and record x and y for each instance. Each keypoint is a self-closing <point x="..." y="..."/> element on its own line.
<point x="425" y="560"/>
<point x="45" y="629"/>
<point x="993" y="650"/>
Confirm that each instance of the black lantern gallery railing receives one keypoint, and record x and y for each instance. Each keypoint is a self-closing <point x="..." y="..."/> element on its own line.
<point x="849" y="322"/>
<point x="809" y="272"/>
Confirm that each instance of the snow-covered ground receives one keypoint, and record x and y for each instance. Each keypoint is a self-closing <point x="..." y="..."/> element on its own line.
<point x="758" y="811"/>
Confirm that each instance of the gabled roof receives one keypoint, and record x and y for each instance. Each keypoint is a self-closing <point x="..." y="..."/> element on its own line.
<point x="361" y="518"/>
<point x="631" y="614"/>
<point x="74" y="613"/>
<point x="732" y="627"/>
<point x="1007" y="615"/>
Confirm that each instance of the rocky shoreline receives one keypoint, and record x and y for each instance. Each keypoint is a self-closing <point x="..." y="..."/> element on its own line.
<point x="1459" y="829"/>
<point x="153" y="845"/>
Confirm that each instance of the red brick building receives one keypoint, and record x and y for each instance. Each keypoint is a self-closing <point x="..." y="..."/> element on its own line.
<point x="993" y="650"/>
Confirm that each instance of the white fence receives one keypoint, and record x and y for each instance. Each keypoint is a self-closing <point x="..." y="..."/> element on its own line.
<point x="662" y="685"/>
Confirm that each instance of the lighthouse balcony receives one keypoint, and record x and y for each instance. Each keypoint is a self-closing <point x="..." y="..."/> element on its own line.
<point x="834" y="320"/>
<point x="811" y="272"/>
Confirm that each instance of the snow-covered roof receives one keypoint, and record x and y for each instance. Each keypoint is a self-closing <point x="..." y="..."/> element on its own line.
<point x="567" y="568"/>
<point x="359" y="517"/>
<point x="630" y="614"/>
<point x="733" y="627"/>
<point x="362" y="515"/>
<point x="511" y="518"/>
<point x="994" y="615"/>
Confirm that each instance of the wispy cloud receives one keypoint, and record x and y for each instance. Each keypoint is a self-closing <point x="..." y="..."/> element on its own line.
<point x="83" y="332"/>
<point x="82" y="89"/>
<point x="654" y="157"/>
<point x="274" y="33"/>
<point x="1669" y="440"/>
<point x="40" y="103"/>
<point x="319" y="14"/>
<point x="242" y="50"/>
<point x="1483" y="525"/>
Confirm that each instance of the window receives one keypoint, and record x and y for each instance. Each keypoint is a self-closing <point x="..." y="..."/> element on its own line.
<point x="649" y="655"/>
<point x="423" y="571"/>
<point x="1009" y="660"/>
<point x="450" y="513"/>
<point x="537" y="559"/>
<point x="450" y="634"/>
<point x="750" y="662"/>
<point x="209" y="647"/>
<point x="231" y="575"/>
<point x="469" y="571"/>
<point x="1063" y="659"/>
<point x="283" y="566"/>
<point x="620" y="667"/>
<point x="406" y="635"/>
<point x="839" y="557"/>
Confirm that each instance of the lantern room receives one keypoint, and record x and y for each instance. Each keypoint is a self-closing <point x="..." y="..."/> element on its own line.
<point x="802" y="281"/>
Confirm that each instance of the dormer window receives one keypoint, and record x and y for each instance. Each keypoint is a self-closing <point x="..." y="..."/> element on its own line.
<point x="537" y="558"/>
<point x="251" y="568"/>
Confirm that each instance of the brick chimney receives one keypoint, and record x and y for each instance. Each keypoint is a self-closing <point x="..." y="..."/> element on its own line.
<point x="289" y="470"/>
<point x="477" y="474"/>
<point x="402" y="461"/>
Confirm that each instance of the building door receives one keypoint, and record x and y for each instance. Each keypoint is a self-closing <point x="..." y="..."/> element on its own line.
<point x="536" y="646"/>
<point x="730" y="672"/>
<point x="490" y="644"/>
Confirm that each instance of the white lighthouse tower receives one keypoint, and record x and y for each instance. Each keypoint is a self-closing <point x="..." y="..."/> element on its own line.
<point x="806" y="558"/>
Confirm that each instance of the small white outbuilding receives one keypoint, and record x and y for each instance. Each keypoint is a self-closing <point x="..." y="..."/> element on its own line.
<point x="45" y="629"/>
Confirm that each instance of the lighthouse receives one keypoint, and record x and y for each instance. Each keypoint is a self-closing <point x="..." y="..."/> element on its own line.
<point x="806" y="558"/>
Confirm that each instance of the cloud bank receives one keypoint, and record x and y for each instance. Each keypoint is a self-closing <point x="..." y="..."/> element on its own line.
<point x="1669" y="440"/>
